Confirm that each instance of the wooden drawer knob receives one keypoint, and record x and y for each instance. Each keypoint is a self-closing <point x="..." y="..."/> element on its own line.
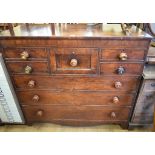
<point x="115" y="100"/>
<point x="35" y="98"/>
<point x="120" y="70"/>
<point x="118" y="84"/>
<point x="73" y="62"/>
<point x="28" y="70"/>
<point x="123" y="56"/>
<point x="113" y="115"/>
<point x="31" y="84"/>
<point x="39" y="113"/>
<point x="24" y="55"/>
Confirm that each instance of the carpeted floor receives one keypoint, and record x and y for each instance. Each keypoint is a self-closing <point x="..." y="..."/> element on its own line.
<point x="46" y="127"/>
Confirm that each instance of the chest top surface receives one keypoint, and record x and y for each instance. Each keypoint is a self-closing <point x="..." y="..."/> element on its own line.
<point x="73" y="31"/>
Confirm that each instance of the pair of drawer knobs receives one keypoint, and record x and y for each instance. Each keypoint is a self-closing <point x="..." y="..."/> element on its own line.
<point x="31" y="84"/>
<point x="40" y="113"/>
<point x="115" y="99"/>
<point x="120" y="70"/>
<point x="28" y="69"/>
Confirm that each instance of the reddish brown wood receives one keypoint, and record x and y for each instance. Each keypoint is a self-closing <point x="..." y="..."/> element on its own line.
<point x="114" y="54"/>
<point x="74" y="76"/>
<point x="130" y="68"/>
<point x="74" y="98"/>
<point x="129" y="84"/>
<point x="19" y="67"/>
<point x="73" y="113"/>
<point x="34" y="53"/>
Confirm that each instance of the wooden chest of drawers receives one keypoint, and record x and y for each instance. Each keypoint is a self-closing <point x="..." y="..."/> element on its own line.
<point x="76" y="80"/>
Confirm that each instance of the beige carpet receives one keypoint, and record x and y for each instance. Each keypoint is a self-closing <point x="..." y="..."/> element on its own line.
<point x="47" y="127"/>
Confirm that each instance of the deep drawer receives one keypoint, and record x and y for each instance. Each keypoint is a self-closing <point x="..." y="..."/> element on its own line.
<point x="74" y="61"/>
<point x="49" y="113"/>
<point x="37" y="97"/>
<point x="20" y="67"/>
<point x="127" y="68"/>
<point x="126" y="84"/>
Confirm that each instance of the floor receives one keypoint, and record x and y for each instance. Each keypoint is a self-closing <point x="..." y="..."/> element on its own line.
<point x="46" y="127"/>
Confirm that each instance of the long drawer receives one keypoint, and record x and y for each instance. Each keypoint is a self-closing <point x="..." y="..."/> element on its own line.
<point x="49" y="113"/>
<point x="37" y="97"/>
<point x="126" y="84"/>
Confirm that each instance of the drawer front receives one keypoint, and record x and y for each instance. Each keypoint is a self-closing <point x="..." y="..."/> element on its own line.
<point x="121" y="68"/>
<point x="74" y="98"/>
<point x="27" y="67"/>
<point x="74" y="60"/>
<point x="142" y="118"/>
<point x="49" y="113"/>
<point x="122" y="54"/>
<point x="77" y="83"/>
<point x="33" y="53"/>
<point x="149" y="85"/>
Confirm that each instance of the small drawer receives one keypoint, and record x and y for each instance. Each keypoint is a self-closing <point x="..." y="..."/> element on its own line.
<point x="25" y="53"/>
<point x="149" y="85"/>
<point x="77" y="83"/>
<point x="121" y="68"/>
<point x="74" y="61"/>
<point x="122" y="54"/>
<point x="50" y="113"/>
<point x="39" y="97"/>
<point x="27" y="67"/>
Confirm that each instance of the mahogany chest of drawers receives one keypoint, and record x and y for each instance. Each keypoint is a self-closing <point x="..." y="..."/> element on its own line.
<point x="76" y="80"/>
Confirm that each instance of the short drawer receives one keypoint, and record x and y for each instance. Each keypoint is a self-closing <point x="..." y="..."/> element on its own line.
<point x="28" y="67"/>
<point x="74" y="61"/>
<point x="49" y="113"/>
<point x="121" y="68"/>
<point x="127" y="84"/>
<point x="122" y="54"/>
<point x="25" y="53"/>
<point x="37" y="97"/>
<point x="149" y="85"/>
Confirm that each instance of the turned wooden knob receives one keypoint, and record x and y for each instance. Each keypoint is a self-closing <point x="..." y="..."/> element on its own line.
<point x="120" y="70"/>
<point x="31" y="84"/>
<point x="39" y="113"/>
<point x="73" y="62"/>
<point x="24" y="55"/>
<point x="115" y="100"/>
<point x="123" y="56"/>
<point x="35" y="98"/>
<point x="113" y="115"/>
<point x="118" y="84"/>
<point x="28" y="70"/>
